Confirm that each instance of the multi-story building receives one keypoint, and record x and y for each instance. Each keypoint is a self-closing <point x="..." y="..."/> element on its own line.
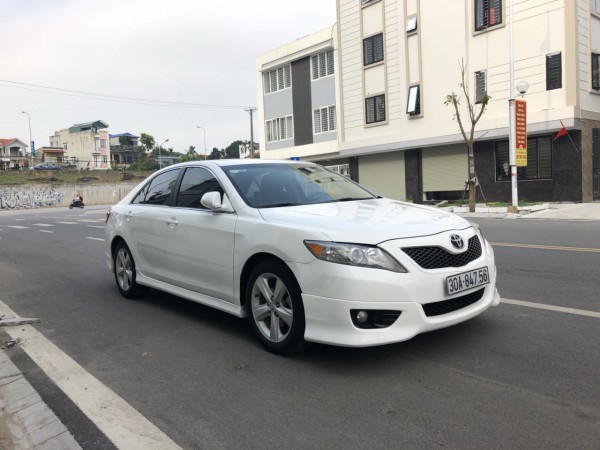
<point x="85" y="145"/>
<point x="396" y="61"/>
<point x="13" y="154"/>
<point x="123" y="148"/>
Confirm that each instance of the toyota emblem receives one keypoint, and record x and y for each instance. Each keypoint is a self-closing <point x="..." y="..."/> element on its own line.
<point x="457" y="241"/>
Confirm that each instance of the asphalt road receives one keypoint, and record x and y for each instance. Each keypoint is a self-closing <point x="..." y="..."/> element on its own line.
<point x="515" y="377"/>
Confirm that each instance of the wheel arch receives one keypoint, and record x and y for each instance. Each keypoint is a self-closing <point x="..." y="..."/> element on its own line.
<point x="251" y="263"/>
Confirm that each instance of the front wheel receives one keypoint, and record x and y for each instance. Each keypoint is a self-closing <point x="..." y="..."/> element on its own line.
<point x="124" y="269"/>
<point x="70" y="206"/>
<point x="275" y="308"/>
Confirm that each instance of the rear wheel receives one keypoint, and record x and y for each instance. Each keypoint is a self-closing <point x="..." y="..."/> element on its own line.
<point x="275" y="308"/>
<point x="124" y="269"/>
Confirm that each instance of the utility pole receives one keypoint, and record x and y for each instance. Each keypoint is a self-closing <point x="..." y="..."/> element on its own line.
<point x="251" y="109"/>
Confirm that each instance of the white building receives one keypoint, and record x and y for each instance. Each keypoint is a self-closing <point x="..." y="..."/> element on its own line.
<point x="395" y="63"/>
<point x="85" y="144"/>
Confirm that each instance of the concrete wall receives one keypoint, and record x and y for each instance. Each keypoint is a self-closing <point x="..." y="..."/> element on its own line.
<point x="50" y="195"/>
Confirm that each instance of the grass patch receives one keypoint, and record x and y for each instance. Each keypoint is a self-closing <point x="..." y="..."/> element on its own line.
<point x="21" y="177"/>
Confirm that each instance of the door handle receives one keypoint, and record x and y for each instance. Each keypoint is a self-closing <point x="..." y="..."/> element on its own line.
<point x="129" y="215"/>
<point x="172" y="222"/>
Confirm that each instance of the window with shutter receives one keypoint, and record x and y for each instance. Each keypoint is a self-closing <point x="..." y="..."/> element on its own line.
<point x="539" y="160"/>
<point x="317" y="120"/>
<point x="288" y="76"/>
<point x="315" y="67"/>
<point x="595" y="71"/>
<point x="375" y="109"/>
<point x="373" y="49"/>
<point x="290" y="126"/>
<point x="332" y="122"/>
<point x="278" y="79"/>
<point x="553" y="71"/>
<point x="480" y="85"/>
<point x="330" y="70"/>
<point x="488" y="13"/>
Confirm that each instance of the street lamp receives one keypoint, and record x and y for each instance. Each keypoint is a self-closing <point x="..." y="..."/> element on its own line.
<point x="204" y="133"/>
<point x="30" y="141"/>
<point x="159" y="157"/>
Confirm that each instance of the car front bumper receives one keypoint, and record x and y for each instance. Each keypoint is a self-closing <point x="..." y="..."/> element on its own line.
<point x="328" y="320"/>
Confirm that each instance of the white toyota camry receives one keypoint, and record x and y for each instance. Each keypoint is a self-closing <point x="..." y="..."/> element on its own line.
<point x="306" y="254"/>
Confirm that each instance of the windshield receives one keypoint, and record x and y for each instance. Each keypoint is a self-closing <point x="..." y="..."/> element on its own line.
<point x="272" y="185"/>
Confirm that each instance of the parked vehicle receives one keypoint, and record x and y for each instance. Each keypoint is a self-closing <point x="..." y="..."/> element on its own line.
<point x="305" y="254"/>
<point x="46" y="166"/>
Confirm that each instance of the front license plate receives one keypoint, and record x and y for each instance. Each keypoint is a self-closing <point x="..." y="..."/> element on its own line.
<point x="467" y="280"/>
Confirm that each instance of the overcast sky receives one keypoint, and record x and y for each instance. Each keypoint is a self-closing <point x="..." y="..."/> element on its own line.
<point x="197" y="52"/>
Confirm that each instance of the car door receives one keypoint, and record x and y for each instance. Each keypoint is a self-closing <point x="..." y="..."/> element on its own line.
<point x="200" y="241"/>
<point x="147" y="217"/>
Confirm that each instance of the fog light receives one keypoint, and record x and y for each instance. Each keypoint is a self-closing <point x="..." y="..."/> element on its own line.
<point x="368" y="319"/>
<point x="362" y="317"/>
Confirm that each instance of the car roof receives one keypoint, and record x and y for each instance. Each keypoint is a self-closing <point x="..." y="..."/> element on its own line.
<point x="237" y="162"/>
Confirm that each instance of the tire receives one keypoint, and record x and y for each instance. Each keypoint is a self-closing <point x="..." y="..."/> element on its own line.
<point x="70" y="206"/>
<point x="125" y="273"/>
<point x="275" y="309"/>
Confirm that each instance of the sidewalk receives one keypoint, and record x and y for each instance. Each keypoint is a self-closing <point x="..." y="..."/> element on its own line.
<point x="561" y="211"/>
<point x="26" y="422"/>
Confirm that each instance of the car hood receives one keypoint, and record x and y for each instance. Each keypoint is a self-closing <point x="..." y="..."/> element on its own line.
<point x="366" y="221"/>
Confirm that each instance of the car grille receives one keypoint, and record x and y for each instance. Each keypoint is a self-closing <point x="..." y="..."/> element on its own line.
<point x="438" y="258"/>
<point x="454" y="304"/>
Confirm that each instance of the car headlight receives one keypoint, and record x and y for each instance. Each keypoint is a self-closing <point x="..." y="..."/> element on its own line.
<point x="354" y="255"/>
<point x="478" y="230"/>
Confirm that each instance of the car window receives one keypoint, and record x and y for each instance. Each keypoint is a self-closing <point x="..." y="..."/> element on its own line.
<point x="196" y="182"/>
<point x="159" y="190"/>
<point x="279" y="184"/>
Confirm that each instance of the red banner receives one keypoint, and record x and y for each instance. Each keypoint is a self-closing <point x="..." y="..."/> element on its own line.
<point x="521" y="133"/>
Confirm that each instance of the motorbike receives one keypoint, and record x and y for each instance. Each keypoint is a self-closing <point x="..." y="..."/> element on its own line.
<point x="76" y="204"/>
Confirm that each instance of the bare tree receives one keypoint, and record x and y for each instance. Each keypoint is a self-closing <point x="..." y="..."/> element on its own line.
<point x="475" y="111"/>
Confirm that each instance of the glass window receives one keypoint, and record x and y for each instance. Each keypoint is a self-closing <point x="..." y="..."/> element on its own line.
<point x="413" y="106"/>
<point x="158" y="191"/>
<point x="196" y="182"/>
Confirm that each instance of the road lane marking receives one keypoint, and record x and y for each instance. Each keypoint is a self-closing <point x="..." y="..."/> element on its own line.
<point x="17" y="227"/>
<point x="562" y="309"/>
<point x="45" y="231"/>
<point x="94" y="238"/>
<point x="42" y="225"/>
<point x="68" y="223"/>
<point x="91" y="220"/>
<point x="96" y="226"/>
<point x="118" y="420"/>
<point x="546" y="247"/>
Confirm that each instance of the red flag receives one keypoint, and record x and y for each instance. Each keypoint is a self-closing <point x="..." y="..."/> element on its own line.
<point x="561" y="132"/>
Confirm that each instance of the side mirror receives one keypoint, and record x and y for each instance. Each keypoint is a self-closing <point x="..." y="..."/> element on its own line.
<point x="212" y="201"/>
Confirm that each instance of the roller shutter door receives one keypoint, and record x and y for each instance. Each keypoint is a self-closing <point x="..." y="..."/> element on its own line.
<point x="445" y="168"/>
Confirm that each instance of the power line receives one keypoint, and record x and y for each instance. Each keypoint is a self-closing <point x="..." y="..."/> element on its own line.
<point x="108" y="97"/>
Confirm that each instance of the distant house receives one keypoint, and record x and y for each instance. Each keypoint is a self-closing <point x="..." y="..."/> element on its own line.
<point x="13" y="154"/>
<point x="85" y="145"/>
<point x="51" y="154"/>
<point x="123" y="148"/>
<point x="245" y="151"/>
